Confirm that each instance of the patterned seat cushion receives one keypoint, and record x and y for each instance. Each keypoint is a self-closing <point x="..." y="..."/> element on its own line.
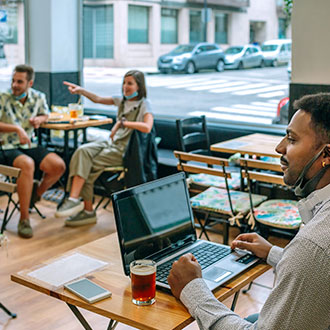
<point x="216" y="200"/>
<point x="208" y="180"/>
<point x="279" y="213"/>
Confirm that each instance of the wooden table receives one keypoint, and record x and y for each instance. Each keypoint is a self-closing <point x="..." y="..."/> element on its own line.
<point x="74" y="126"/>
<point x="253" y="144"/>
<point x="166" y="313"/>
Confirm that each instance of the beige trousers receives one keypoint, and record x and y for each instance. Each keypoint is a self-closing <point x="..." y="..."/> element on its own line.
<point x="89" y="161"/>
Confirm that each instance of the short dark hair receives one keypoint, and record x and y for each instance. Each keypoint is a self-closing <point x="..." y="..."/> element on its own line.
<point x="139" y="78"/>
<point x="25" y="68"/>
<point x="318" y="106"/>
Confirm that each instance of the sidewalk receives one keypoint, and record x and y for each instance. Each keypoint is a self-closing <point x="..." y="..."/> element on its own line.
<point x="6" y="72"/>
<point x="119" y="72"/>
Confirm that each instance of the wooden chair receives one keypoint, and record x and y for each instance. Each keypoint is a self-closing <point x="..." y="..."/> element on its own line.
<point x="216" y="205"/>
<point x="274" y="214"/>
<point x="193" y="137"/>
<point x="8" y="186"/>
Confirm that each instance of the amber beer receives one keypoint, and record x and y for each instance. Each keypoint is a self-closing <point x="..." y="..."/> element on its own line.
<point x="143" y="279"/>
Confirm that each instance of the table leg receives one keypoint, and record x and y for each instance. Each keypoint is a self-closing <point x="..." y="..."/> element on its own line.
<point x="233" y="304"/>
<point x="80" y="317"/>
<point x="75" y="139"/>
<point x="66" y="147"/>
<point x="84" y="323"/>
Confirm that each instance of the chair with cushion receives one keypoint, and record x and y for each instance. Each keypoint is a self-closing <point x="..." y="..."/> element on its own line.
<point x="193" y="137"/>
<point x="279" y="215"/>
<point x="216" y="205"/>
<point x="8" y="186"/>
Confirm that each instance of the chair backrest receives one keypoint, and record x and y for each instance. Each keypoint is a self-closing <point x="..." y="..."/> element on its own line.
<point x="9" y="186"/>
<point x="251" y="171"/>
<point x="221" y="163"/>
<point x="193" y="135"/>
<point x="185" y="157"/>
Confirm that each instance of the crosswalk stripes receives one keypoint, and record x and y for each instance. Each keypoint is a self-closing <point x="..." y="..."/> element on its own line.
<point x="255" y="112"/>
<point x="219" y="86"/>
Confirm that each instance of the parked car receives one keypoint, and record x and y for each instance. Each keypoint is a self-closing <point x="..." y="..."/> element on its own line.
<point x="192" y="57"/>
<point x="282" y="114"/>
<point x="277" y="51"/>
<point x="241" y="57"/>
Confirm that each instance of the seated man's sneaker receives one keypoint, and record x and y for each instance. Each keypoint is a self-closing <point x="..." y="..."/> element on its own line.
<point x="82" y="218"/>
<point x="69" y="208"/>
<point x="34" y="197"/>
<point x="24" y="228"/>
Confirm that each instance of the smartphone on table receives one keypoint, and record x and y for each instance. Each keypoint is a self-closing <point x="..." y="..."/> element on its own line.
<point x="88" y="290"/>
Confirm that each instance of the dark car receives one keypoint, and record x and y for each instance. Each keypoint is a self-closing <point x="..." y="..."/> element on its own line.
<point x="192" y="57"/>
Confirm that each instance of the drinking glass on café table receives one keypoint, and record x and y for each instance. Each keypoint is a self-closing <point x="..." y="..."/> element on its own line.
<point x="143" y="280"/>
<point x="75" y="110"/>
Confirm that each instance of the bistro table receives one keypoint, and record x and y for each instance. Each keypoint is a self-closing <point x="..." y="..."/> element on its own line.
<point x="66" y="124"/>
<point x="165" y="314"/>
<point x="254" y="144"/>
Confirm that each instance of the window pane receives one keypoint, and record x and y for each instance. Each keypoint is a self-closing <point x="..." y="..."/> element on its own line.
<point x="169" y="33"/>
<point x="138" y="18"/>
<point x="221" y="30"/>
<point x="104" y="35"/>
<point x="196" y="27"/>
<point x="98" y="31"/>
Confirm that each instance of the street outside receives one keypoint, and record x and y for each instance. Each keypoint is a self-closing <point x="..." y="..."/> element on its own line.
<point x="249" y="95"/>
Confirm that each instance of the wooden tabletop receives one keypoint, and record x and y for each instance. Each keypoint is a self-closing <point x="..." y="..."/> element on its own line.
<point x="166" y="313"/>
<point x="74" y="124"/>
<point x="254" y="144"/>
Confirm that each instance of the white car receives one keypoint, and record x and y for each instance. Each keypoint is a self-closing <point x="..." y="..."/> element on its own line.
<point x="242" y="57"/>
<point x="277" y="51"/>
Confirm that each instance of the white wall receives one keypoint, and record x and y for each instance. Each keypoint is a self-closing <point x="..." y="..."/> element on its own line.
<point x="311" y="46"/>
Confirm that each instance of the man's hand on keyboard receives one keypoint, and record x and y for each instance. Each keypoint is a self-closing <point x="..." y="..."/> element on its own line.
<point x="183" y="271"/>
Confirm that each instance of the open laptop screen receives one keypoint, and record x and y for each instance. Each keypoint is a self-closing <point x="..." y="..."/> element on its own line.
<point x="153" y="219"/>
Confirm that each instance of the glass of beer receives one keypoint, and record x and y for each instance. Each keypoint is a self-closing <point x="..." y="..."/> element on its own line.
<point x="143" y="278"/>
<point x="76" y="110"/>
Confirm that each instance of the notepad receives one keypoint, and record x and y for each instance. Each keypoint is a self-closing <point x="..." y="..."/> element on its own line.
<point x="67" y="269"/>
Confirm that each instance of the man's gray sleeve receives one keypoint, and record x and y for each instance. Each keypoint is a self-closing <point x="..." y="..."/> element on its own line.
<point x="299" y="300"/>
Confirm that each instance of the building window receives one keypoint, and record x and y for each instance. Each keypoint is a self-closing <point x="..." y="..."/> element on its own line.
<point x="138" y="24"/>
<point x="169" y="33"/>
<point x="196" y="26"/>
<point x="98" y="31"/>
<point x="221" y="28"/>
<point x="281" y="28"/>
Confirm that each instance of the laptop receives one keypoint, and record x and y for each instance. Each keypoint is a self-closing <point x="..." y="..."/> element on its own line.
<point x="155" y="221"/>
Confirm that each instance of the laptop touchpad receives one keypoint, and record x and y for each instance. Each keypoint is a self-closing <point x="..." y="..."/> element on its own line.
<point x="216" y="274"/>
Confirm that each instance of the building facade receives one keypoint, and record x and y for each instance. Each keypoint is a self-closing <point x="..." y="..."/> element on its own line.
<point x="124" y="33"/>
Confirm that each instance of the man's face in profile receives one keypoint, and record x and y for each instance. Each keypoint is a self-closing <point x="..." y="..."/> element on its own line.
<point x="19" y="83"/>
<point x="298" y="147"/>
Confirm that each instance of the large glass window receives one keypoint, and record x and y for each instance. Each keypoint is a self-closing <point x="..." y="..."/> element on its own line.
<point x="196" y="26"/>
<point x="169" y="33"/>
<point x="98" y="31"/>
<point x="138" y="24"/>
<point x="221" y="28"/>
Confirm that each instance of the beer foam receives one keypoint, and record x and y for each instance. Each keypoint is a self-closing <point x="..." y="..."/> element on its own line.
<point x="143" y="270"/>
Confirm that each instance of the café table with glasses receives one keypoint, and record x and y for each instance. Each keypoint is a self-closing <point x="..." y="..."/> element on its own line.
<point x="64" y="122"/>
<point x="165" y="313"/>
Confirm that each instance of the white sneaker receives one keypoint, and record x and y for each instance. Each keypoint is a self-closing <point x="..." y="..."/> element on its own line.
<point x="69" y="208"/>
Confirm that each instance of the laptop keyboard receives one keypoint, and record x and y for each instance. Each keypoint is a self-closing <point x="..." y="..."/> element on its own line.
<point x="206" y="254"/>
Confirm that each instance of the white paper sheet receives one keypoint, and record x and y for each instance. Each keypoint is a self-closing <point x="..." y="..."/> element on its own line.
<point x="67" y="269"/>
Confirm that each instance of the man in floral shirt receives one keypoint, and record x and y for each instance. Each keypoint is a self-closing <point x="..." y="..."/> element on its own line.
<point x="22" y="110"/>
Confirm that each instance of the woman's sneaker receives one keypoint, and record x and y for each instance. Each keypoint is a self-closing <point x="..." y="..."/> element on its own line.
<point x="82" y="218"/>
<point x="69" y="208"/>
